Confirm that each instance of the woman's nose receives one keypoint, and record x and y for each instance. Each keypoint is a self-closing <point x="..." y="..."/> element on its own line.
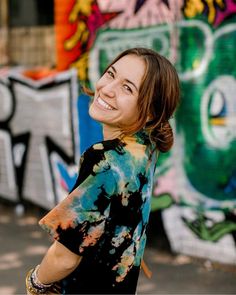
<point x="109" y="89"/>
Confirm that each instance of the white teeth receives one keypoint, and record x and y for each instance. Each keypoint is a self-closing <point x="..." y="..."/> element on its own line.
<point x="104" y="104"/>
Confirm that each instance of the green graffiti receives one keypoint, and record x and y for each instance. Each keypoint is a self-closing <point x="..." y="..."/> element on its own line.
<point x="209" y="233"/>
<point x="204" y="122"/>
<point x="162" y="202"/>
<point x="206" y="117"/>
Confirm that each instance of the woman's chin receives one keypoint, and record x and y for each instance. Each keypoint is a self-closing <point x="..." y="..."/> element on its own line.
<point x="92" y="113"/>
<point x="96" y="117"/>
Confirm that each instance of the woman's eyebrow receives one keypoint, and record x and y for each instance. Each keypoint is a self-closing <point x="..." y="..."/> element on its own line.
<point x="113" y="68"/>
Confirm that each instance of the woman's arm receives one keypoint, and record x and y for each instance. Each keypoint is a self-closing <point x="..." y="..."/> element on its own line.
<point x="58" y="263"/>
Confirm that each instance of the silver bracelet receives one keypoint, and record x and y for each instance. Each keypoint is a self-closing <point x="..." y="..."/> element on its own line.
<point x="36" y="283"/>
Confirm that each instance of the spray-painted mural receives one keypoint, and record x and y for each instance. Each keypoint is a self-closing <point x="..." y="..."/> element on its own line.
<point x="196" y="182"/>
<point x="195" y="185"/>
<point x="40" y="128"/>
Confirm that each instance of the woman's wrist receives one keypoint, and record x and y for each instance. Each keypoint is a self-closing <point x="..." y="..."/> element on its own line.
<point x="36" y="281"/>
<point x="33" y="285"/>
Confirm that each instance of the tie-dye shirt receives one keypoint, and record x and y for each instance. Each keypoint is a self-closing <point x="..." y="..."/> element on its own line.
<point x="105" y="216"/>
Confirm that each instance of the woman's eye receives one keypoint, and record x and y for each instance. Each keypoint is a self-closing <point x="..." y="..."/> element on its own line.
<point x="110" y="73"/>
<point x="128" y="88"/>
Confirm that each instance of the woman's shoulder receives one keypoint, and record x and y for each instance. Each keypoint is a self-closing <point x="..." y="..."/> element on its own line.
<point x="97" y="159"/>
<point x="104" y="147"/>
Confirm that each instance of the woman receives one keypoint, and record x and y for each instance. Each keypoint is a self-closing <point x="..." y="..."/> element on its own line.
<point x="99" y="229"/>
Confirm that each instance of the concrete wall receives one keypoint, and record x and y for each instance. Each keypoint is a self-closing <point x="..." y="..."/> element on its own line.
<point x="196" y="182"/>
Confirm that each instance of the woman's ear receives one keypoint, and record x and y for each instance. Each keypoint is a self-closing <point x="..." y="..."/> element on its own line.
<point x="148" y="118"/>
<point x="148" y="121"/>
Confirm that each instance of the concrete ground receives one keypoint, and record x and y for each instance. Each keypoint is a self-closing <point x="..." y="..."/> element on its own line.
<point x="23" y="245"/>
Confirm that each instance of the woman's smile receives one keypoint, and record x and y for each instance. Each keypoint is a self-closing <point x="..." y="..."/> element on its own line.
<point x="103" y="104"/>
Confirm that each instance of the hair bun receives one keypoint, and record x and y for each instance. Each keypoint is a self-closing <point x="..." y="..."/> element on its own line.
<point x="163" y="136"/>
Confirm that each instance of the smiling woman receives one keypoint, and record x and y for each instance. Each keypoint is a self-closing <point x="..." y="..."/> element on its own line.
<point x="99" y="228"/>
<point x="115" y="101"/>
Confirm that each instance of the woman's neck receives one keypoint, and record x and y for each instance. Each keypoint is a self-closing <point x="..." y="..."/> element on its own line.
<point x="110" y="132"/>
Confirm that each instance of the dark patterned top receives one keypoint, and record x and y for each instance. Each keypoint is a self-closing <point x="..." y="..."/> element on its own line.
<point x="105" y="216"/>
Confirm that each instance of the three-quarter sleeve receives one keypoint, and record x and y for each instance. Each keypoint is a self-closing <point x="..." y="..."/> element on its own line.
<point x="78" y="222"/>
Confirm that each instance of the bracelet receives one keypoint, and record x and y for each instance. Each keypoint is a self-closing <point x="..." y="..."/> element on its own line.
<point x="29" y="286"/>
<point x="33" y="285"/>
<point x="35" y="281"/>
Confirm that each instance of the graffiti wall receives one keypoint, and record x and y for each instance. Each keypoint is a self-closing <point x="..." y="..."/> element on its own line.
<point x="195" y="184"/>
<point x="40" y="129"/>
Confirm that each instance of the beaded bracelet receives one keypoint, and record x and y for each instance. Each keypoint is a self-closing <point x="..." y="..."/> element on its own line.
<point x="29" y="286"/>
<point x="35" y="281"/>
<point x="33" y="285"/>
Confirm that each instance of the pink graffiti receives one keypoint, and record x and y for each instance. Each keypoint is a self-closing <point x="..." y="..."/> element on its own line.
<point x="96" y="20"/>
<point x="112" y="5"/>
<point x="167" y="184"/>
<point x="228" y="11"/>
<point x="151" y="12"/>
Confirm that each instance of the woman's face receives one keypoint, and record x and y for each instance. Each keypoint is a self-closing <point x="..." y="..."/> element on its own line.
<point x="117" y="91"/>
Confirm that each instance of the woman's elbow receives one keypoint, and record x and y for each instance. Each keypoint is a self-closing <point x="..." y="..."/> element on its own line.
<point x="64" y="257"/>
<point x="69" y="264"/>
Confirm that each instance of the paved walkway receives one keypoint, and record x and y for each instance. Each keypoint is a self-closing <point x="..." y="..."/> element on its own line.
<point x="23" y="244"/>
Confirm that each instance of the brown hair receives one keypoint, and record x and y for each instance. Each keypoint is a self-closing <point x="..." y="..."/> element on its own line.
<point x="158" y="97"/>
